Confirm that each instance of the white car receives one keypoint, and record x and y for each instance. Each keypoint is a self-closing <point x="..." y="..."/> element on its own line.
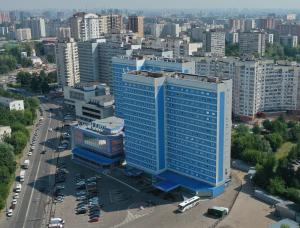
<point x="50" y="129"/>
<point x="9" y="213"/>
<point x="14" y="201"/>
<point x="29" y="153"/>
<point x="16" y="195"/>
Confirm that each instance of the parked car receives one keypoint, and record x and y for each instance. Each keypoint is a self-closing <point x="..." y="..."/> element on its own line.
<point x="9" y="213"/>
<point x="81" y="211"/>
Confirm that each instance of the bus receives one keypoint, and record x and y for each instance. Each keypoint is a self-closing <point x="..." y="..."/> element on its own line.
<point x="189" y="203"/>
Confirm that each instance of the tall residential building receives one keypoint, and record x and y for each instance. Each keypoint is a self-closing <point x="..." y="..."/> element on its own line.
<point x="4" y="17"/>
<point x="289" y="41"/>
<point x="121" y="65"/>
<point x="85" y="26"/>
<point x="258" y="85"/>
<point x="171" y="29"/>
<point x="252" y="43"/>
<point x="67" y="63"/>
<point x="88" y="54"/>
<point x="114" y="23"/>
<point x="178" y="129"/>
<point x="156" y="30"/>
<point x="63" y="33"/>
<point x="136" y="25"/>
<point x="38" y="27"/>
<point x="214" y="43"/>
<point x="23" y="34"/>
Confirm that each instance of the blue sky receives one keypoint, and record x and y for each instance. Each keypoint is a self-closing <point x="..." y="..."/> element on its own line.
<point x="153" y="4"/>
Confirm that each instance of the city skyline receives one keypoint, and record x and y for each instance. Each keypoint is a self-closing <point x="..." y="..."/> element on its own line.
<point x="133" y="4"/>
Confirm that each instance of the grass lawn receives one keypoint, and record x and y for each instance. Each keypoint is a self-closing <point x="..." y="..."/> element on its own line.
<point x="284" y="150"/>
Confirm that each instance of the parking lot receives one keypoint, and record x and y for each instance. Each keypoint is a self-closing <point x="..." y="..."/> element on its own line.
<point x="121" y="201"/>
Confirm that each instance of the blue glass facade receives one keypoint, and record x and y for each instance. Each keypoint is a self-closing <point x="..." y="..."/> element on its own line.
<point x="123" y="65"/>
<point x="191" y="116"/>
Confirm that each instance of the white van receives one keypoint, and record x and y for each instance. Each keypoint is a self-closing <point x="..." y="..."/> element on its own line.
<point x="18" y="188"/>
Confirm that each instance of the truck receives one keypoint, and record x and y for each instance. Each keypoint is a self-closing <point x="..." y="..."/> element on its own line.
<point x="218" y="212"/>
<point x="22" y="175"/>
<point x="26" y="164"/>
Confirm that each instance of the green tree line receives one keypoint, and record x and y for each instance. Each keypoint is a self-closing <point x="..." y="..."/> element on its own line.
<point x="13" y="146"/>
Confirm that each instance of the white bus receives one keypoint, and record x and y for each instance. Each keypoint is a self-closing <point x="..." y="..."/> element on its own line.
<point x="189" y="203"/>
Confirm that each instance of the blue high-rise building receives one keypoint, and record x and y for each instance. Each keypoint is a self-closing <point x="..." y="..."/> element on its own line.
<point x="178" y="129"/>
<point x="123" y="64"/>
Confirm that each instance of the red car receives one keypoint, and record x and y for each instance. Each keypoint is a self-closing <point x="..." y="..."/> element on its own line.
<point x="95" y="219"/>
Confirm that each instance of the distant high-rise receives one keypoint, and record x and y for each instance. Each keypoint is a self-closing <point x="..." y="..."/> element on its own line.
<point x="4" y="17"/>
<point x="252" y="43"/>
<point x="114" y="23"/>
<point x="85" y="26"/>
<point x="23" y="34"/>
<point x="63" y="33"/>
<point x="38" y="27"/>
<point x="67" y="63"/>
<point x="214" y="43"/>
<point x="136" y="25"/>
<point x="88" y="54"/>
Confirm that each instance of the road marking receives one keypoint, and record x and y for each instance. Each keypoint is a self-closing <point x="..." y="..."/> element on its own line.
<point x="32" y="190"/>
<point x="133" y="188"/>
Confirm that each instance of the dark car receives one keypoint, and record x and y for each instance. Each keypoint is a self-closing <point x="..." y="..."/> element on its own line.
<point x="80" y="187"/>
<point x="81" y="211"/>
<point x="94" y="219"/>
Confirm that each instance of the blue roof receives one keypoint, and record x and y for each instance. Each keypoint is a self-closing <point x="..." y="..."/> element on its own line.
<point x="184" y="181"/>
<point x="166" y="185"/>
<point x="86" y="154"/>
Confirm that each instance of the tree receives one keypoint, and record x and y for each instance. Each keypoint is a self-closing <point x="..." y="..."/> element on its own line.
<point x="267" y="124"/>
<point x="7" y="157"/>
<point x="242" y="129"/>
<point x="275" y="140"/>
<point x="284" y="226"/>
<point x="18" y="140"/>
<point x="256" y="129"/>
<point x="277" y="186"/>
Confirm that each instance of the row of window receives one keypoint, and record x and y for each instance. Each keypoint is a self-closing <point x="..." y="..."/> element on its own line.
<point x="193" y="121"/>
<point x="193" y="103"/>
<point x="132" y="135"/>
<point x="128" y="112"/>
<point x="198" y="151"/>
<point x="140" y="125"/>
<point x="191" y="97"/>
<point x="191" y="173"/>
<point x="193" y="109"/>
<point x="187" y="137"/>
<point x="191" y="91"/>
<point x="195" y="134"/>
<point x="185" y="113"/>
<point x="190" y="167"/>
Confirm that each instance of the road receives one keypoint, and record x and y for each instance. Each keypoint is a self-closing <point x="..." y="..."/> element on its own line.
<point x="33" y="202"/>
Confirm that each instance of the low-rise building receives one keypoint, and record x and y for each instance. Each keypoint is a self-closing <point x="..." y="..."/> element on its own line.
<point x="11" y="103"/>
<point x="89" y="101"/>
<point x="5" y="131"/>
<point x="98" y="144"/>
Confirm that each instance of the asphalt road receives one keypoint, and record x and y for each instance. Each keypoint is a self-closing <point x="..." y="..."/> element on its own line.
<point x="33" y="202"/>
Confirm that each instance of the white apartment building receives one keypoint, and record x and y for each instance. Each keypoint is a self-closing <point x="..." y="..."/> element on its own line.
<point x="258" y="85"/>
<point x="12" y="104"/>
<point x="67" y="63"/>
<point x="85" y="26"/>
<point x="23" y="34"/>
